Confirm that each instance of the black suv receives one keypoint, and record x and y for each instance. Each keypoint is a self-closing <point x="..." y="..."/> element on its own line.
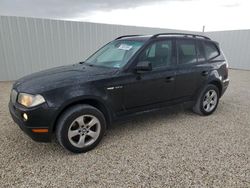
<point x="129" y="75"/>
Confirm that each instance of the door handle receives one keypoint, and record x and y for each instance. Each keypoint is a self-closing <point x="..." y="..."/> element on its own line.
<point x="169" y="79"/>
<point x="204" y="73"/>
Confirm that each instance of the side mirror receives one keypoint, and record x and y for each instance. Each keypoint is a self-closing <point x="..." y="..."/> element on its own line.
<point x="143" y="66"/>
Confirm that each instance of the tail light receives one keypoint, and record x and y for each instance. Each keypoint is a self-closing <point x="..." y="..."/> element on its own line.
<point x="226" y="73"/>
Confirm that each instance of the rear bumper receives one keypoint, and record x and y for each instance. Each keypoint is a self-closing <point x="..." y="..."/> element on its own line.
<point x="27" y="126"/>
<point x="225" y="84"/>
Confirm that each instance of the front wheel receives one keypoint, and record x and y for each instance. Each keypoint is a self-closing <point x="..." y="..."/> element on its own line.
<point x="80" y="128"/>
<point x="207" y="101"/>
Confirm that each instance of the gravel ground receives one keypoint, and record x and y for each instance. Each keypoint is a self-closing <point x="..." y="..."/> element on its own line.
<point x="166" y="149"/>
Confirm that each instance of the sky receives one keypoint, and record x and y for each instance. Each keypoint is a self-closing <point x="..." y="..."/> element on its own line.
<point x="191" y="15"/>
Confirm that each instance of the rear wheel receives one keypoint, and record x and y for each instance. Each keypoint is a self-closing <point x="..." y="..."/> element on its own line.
<point x="80" y="128"/>
<point x="207" y="101"/>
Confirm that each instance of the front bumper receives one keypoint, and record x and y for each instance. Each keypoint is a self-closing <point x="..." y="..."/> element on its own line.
<point x="39" y="118"/>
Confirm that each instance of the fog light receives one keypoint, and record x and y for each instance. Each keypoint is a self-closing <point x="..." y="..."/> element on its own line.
<point x="25" y="116"/>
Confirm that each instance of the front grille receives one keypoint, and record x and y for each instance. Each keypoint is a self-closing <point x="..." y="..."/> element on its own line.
<point x="13" y="96"/>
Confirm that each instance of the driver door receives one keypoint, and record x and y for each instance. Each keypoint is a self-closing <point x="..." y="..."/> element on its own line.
<point x="155" y="86"/>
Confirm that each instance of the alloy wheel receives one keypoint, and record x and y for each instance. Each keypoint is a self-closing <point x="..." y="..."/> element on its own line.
<point x="210" y="100"/>
<point x="84" y="131"/>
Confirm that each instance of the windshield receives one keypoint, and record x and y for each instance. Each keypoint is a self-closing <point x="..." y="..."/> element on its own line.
<point x="115" y="54"/>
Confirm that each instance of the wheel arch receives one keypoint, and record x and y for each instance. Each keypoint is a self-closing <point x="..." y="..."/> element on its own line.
<point x="215" y="82"/>
<point x="218" y="84"/>
<point x="89" y="101"/>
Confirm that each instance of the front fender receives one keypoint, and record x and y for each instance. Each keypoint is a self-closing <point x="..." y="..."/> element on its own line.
<point x="62" y="98"/>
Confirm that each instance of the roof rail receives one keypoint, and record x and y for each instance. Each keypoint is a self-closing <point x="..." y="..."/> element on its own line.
<point x="183" y="34"/>
<point x="126" y="36"/>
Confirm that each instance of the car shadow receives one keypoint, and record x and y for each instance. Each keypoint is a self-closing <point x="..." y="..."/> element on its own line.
<point x="151" y="116"/>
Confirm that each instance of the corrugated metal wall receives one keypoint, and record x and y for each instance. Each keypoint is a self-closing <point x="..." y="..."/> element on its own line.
<point x="236" y="47"/>
<point x="29" y="44"/>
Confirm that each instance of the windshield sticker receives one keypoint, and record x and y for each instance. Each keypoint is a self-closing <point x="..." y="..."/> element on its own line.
<point x="117" y="66"/>
<point x="125" y="47"/>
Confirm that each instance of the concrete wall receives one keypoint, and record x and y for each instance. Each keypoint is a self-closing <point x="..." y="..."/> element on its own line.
<point x="29" y="44"/>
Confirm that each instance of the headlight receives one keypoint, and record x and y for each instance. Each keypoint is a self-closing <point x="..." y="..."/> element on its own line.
<point x="29" y="100"/>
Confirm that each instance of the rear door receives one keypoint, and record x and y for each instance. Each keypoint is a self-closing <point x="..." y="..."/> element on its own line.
<point x="192" y="69"/>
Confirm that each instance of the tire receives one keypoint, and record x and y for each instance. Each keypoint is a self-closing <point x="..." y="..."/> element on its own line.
<point x="200" y="106"/>
<point x="80" y="128"/>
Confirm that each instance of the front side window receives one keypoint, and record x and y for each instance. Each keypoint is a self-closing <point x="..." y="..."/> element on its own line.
<point x="186" y="51"/>
<point x="159" y="54"/>
<point x="115" y="54"/>
<point x="211" y="50"/>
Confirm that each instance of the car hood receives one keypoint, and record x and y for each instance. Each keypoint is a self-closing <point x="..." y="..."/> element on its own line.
<point x="60" y="77"/>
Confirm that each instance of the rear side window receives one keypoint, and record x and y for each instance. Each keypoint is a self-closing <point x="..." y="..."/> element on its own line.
<point x="200" y="52"/>
<point x="211" y="51"/>
<point x="186" y="51"/>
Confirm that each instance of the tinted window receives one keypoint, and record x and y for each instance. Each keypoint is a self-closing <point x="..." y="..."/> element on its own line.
<point x="200" y="52"/>
<point x="211" y="50"/>
<point x="159" y="53"/>
<point x="186" y="51"/>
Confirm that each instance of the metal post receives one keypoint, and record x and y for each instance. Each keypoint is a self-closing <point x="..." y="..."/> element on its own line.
<point x="203" y="28"/>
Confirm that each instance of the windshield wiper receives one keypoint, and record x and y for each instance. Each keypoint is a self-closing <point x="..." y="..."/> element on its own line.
<point x="83" y="62"/>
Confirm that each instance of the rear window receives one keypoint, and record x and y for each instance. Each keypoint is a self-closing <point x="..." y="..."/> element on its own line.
<point x="211" y="51"/>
